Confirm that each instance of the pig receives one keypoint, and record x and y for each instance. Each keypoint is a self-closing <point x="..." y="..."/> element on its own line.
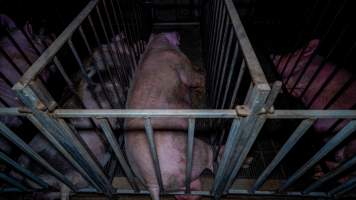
<point x="345" y="101"/>
<point x="164" y="80"/>
<point x="9" y="74"/>
<point x="40" y="145"/>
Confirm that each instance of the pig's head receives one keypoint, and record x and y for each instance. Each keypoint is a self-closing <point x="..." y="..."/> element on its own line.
<point x="286" y="63"/>
<point x="164" y="40"/>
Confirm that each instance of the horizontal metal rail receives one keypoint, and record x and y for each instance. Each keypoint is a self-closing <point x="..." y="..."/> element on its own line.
<point x="200" y="113"/>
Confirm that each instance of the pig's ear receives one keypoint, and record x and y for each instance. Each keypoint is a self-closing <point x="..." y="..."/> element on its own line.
<point x="312" y="46"/>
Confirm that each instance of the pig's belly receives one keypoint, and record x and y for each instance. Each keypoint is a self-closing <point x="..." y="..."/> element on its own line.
<point x="171" y="150"/>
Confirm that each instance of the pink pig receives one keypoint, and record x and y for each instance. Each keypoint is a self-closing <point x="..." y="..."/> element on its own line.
<point x="345" y="101"/>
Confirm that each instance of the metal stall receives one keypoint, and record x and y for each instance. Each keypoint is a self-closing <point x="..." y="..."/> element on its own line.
<point x="240" y="101"/>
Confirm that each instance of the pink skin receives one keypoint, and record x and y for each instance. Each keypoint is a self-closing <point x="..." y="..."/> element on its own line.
<point x="164" y="80"/>
<point x="41" y="146"/>
<point x="345" y="101"/>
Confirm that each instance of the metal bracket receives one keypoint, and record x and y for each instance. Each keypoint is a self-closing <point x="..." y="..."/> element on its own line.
<point x="243" y="111"/>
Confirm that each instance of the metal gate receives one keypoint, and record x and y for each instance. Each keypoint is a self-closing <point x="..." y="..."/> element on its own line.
<point x="237" y="91"/>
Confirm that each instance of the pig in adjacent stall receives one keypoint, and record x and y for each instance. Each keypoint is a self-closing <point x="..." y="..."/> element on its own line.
<point x="321" y="91"/>
<point x="164" y="80"/>
<point x="15" y="59"/>
<point x="48" y="152"/>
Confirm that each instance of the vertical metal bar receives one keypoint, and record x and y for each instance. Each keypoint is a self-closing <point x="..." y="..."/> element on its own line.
<point x="219" y="60"/>
<point x="223" y="73"/>
<point x="233" y="137"/>
<point x="107" y="67"/>
<point x="11" y="136"/>
<point x="276" y="88"/>
<point x="122" y="80"/>
<point x="124" y="45"/>
<point x="292" y="140"/>
<point x="22" y="170"/>
<point x="330" y="145"/>
<point x="347" y="165"/>
<point x="119" y="55"/>
<point x="220" y="43"/>
<point x="12" y="181"/>
<point x="238" y="83"/>
<point x="216" y="51"/>
<point x="212" y="47"/>
<point x="128" y="31"/>
<point x="117" y="151"/>
<point x="153" y="150"/>
<point x="231" y="70"/>
<point x="190" y="146"/>
<point x="259" y="96"/>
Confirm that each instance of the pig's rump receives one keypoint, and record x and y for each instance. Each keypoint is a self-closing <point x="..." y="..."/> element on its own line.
<point x="171" y="150"/>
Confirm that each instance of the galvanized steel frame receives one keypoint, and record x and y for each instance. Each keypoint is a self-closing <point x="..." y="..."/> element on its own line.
<point x="248" y="120"/>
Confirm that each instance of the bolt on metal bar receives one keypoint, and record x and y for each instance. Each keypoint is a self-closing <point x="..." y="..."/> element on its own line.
<point x="117" y="151"/>
<point x="330" y="145"/>
<point x="23" y="170"/>
<point x="288" y="145"/>
<point x="347" y="165"/>
<point x="153" y="150"/>
<point x="190" y="150"/>
<point x="11" y="136"/>
<point x="12" y="181"/>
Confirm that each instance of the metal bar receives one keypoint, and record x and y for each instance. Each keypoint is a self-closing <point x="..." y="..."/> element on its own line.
<point x="23" y="170"/>
<point x="134" y="113"/>
<point x="63" y="151"/>
<point x="12" y="181"/>
<point x="200" y="113"/>
<point x="222" y="76"/>
<point x="330" y="145"/>
<point x="108" y="71"/>
<point x="117" y="151"/>
<point x="347" y="165"/>
<point x="276" y="88"/>
<point x="123" y="44"/>
<point x="52" y="50"/>
<point x="250" y="57"/>
<point x="224" y="52"/>
<point x="190" y="150"/>
<point x="11" y="136"/>
<point x="250" y="127"/>
<point x="234" y="135"/>
<point x="220" y="43"/>
<point x="215" y="50"/>
<point x="232" y="67"/>
<point x="20" y="111"/>
<point x="238" y="83"/>
<point x="153" y="150"/>
<point x="292" y="140"/>
<point x="343" y="188"/>
<point x="175" y="24"/>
